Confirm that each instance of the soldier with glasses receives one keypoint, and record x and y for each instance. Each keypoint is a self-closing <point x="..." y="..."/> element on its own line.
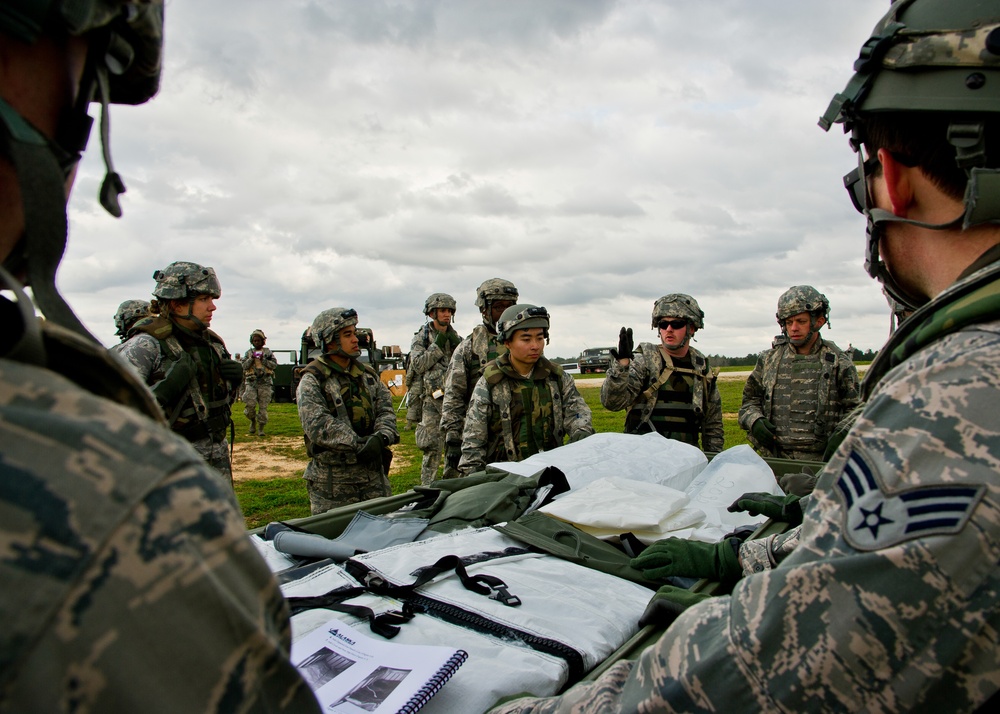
<point x="889" y="602"/>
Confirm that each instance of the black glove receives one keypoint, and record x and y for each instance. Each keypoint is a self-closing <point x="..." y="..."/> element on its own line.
<point x="371" y="448"/>
<point x="625" y="345"/>
<point x="231" y="370"/>
<point x="780" y="508"/>
<point x="763" y="431"/>
<point x="176" y="380"/>
<point x="453" y="453"/>
<point x="801" y="483"/>
<point x="692" y="559"/>
<point x="669" y="602"/>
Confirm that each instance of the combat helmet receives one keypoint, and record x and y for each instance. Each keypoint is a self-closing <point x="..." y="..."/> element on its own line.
<point x="522" y="317"/>
<point x="490" y="291"/>
<point x="439" y="300"/>
<point x="939" y="58"/>
<point x="123" y="67"/>
<point x="258" y="333"/>
<point x="327" y="325"/>
<point x="128" y="312"/>
<point x="184" y="280"/>
<point x="679" y="305"/>
<point x="802" y="298"/>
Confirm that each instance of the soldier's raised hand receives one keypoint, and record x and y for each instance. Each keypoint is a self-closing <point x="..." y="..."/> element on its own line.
<point x="625" y="345"/>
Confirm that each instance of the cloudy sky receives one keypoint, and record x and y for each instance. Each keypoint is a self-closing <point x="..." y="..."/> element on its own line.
<point x="599" y="154"/>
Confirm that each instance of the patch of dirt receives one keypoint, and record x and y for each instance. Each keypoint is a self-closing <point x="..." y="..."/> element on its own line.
<point x="266" y="458"/>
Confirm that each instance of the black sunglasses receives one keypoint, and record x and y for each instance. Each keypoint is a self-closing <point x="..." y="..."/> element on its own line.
<point x="676" y="324"/>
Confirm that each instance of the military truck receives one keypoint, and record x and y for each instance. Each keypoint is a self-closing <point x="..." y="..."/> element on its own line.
<point x="595" y="359"/>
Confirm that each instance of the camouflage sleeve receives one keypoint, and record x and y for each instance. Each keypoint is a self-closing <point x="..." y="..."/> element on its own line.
<point x="422" y="358"/>
<point x="142" y="354"/>
<point x="247" y="360"/>
<point x="622" y="385"/>
<point x="453" y="406"/>
<point x="268" y="360"/>
<point x="752" y="407"/>
<point x="577" y="419"/>
<point x="385" y="414"/>
<point x="475" y="435"/>
<point x="848" y="384"/>
<point x="762" y="554"/>
<point x="322" y="426"/>
<point x="713" y="434"/>
<point x="889" y="600"/>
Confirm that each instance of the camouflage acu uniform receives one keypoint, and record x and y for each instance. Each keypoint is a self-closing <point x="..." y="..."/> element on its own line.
<point x="201" y="416"/>
<point x="338" y="408"/>
<point x="889" y="602"/>
<point x="429" y="364"/>
<point x="636" y="387"/>
<point x="128" y="580"/>
<point x="511" y="417"/>
<point x="804" y="396"/>
<point x="467" y="364"/>
<point x="258" y="385"/>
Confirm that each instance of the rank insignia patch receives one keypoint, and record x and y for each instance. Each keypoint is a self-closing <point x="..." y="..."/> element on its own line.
<point x="876" y="520"/>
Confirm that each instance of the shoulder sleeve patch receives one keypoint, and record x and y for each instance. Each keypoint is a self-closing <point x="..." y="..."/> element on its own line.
<point x="876" y="520"/>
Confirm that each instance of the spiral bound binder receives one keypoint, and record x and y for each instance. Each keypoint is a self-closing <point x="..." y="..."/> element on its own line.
<point x="435" y="683"/>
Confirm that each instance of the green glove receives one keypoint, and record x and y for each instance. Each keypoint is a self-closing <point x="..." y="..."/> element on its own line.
<point x="578" y="436"/>
<point x="763" y="431"/>
<point x="454" y="338"/>
<point x="780" y="508"/>
<point x="370" y="449"/>
<point x="693" y="559"/>
<point x="800" y="484"/>
<point x="176" y="380"/>
<point x="231" y="370"/>
<point x="669" y="602"/>
<point x="441" y="339"/>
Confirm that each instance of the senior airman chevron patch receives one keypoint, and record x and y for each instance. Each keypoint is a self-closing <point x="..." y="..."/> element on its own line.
<point x="876" y="520"/>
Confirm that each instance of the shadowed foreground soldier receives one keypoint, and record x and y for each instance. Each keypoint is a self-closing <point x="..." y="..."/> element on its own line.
<point x="128" y="581"/>
<point x="890" y="601"/>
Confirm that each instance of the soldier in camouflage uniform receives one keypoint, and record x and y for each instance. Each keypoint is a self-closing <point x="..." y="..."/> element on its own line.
<point x="347" y="418"/>
<point x="258" y="381"/>
<point x="523" y="404"/>
<point x="890" y="601"/>
<point x="430" y="354"/>
<point x="185" y="363"/>
<point x="802" y="387"/>
<point x="668" y="387"/>
<point x="127" y="314"/>
<point x="128" y="580"/>
<point x="469" y="360"/>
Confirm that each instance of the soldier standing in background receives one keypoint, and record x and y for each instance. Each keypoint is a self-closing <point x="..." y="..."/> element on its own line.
<point x="430" y="354"/>
<point x="129" y="583"/>
<point x="185" y="363"/>
<point x="480" y="348"/>
<point x="258" y="381"/>
<point x="523" y="404"/>
<point x="889" y="602"/>
<point x="347" y="418"/>
<point x="669" y="388"/>
<point x="802" y="387"/>
<point x="127" y="314"/>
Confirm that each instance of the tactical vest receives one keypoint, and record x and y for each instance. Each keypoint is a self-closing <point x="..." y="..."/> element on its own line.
<point x="203" y="410"/>
<point x="353" y="401"/>
<point x="530" y="422"/>
<point x="663" y="404"/>
<point x="794" y="407"/>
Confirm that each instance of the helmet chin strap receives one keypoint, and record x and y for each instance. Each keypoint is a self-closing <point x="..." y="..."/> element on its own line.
<point x="199" y="325"/>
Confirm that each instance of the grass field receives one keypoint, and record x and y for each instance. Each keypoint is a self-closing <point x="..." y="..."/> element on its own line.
<point x="284" y="496"/>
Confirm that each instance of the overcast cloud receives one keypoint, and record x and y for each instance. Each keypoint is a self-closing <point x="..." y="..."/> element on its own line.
<point x="598" y="154"/>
